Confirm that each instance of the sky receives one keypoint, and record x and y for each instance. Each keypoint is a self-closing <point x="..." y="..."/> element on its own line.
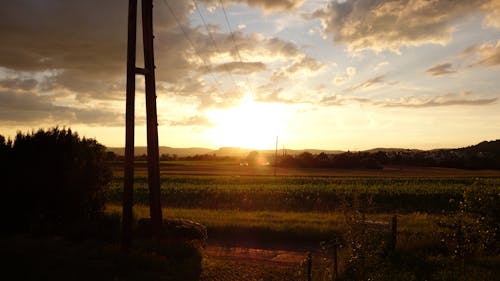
<point x="348" y="75"/>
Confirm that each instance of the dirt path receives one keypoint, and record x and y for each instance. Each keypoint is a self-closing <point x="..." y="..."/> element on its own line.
<point x="256" y="255"/>
<point x="224" y="263"/>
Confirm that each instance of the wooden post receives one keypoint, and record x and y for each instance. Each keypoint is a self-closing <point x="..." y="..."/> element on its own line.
<point x="309" y="266"/>
<point x="335" y="262"/>
<point x="394" y="233"/>
<point x="128" y="186"/>
<point x="151" y="120"/>
<point x="152" y="123"/>
<point x="276" y="156"/>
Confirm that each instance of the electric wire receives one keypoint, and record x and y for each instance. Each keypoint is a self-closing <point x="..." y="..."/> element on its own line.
<point x="213" y="41"/>
<point x="184" y="32"/>
<point x="234" y="40"/>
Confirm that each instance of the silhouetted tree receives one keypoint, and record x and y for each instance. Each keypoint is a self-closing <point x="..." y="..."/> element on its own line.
<point x="252" y="158"/>
<point x="54" y="178"/>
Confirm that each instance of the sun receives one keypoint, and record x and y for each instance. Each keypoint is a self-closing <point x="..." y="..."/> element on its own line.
<point x="250" y="124"/>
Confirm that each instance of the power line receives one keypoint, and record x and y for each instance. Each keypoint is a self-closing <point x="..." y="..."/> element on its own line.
<point x="209" y="70"/>
<point x="213" y="41"/>
<point x="234" y="40"/>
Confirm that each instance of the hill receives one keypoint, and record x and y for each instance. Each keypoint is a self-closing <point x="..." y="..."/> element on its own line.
<point x="491" y="148"/>
<point x="223" y="151"/>
<point x="141" y="150"/>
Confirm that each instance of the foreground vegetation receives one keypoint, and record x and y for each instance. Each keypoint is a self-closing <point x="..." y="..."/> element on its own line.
<point x="54" y="188"/>
<point x="447" y="226"/>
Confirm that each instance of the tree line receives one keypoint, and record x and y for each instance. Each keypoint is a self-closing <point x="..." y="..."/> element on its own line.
<point x="485" y="155"/>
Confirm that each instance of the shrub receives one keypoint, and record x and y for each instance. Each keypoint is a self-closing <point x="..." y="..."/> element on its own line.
<point x="53" y="178"/>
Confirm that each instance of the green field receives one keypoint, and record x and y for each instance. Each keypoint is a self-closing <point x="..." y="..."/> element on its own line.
<point x="311" y="194"/>
<point x="440" y="213"/>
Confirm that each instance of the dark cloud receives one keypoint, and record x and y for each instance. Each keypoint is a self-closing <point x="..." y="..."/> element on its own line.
<point x="388" y="25"/>
<point x="31" y="108"/>
<point x="441" y="69"/>
<point x="82" y="44"/>
<point x="24" y="84"/>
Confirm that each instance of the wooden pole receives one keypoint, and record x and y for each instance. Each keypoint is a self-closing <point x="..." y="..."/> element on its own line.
<point x="276" y="156"/>
<point x="394" y="233"/>
<point x="151" y="119"/>
<point x="309" y="266"/>
<point x="128" y="186"/>
<point x="335" y="262"/>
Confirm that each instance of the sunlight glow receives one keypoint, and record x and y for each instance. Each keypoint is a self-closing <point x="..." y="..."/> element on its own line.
<point x="250" y="124"/>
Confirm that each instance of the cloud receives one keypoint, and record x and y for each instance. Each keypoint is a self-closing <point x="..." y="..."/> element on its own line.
<point x="200" y="121"/>
<point x="339" y="100"/>
<point x="82" y="47"/>
<point x="349" y="73"/>
<point x="266" y="5"/>
<point x="485" y="55"/>
<point x="24" y="84"/>
<point x="492" y="18"/>
<point x="274" y="97"/>
<point x="240" y="67"/>
<point x="306" y="63"/>
<point x="367" y="84"/>
<point x="302" y="65"/>
<point x="32" y="108"/>
<point x="441" y="69"/>
<point x="380" y="65"/>
<point x="464" y="99"/>
<point x="389" y="25"/>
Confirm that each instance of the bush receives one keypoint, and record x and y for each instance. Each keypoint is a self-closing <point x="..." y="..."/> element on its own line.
<point x="53" y="178"/>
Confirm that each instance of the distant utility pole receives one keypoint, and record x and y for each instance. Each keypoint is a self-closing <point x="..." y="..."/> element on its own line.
<point x="276" y="156"/>
<point x="151" y="118"/>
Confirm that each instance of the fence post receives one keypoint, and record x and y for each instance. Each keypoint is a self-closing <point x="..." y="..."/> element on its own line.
<point x="335" y="262"/>
<point x="309" y="266"/>
<point x="394" y="233"/>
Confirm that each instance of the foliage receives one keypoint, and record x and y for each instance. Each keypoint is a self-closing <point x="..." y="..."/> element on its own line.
<point x="54" y="178"/>
<point x="485" y="155"/>
<point x="348" y="160"/>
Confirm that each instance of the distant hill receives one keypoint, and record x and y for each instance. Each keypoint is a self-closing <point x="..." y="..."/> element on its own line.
<point x="492" y="147"/>
<point x="382" y="149"/>
<point x="489" y="147"/>
<point x="223" y="151"/>
<point x="140" y="150"/>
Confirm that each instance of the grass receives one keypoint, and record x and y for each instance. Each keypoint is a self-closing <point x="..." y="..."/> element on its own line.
<point x="298" y="228"/>
<point x="309" y="194"/>
<point x="302" y="211"/>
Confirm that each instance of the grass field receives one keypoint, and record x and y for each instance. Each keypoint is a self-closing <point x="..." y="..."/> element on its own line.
<point x="303" y="209"/>
<point x="311" y="194"/>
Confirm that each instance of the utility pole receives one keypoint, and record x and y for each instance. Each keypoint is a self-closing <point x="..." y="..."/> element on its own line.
<point x="276" y="156"/>
<point x="151" y="118"/>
